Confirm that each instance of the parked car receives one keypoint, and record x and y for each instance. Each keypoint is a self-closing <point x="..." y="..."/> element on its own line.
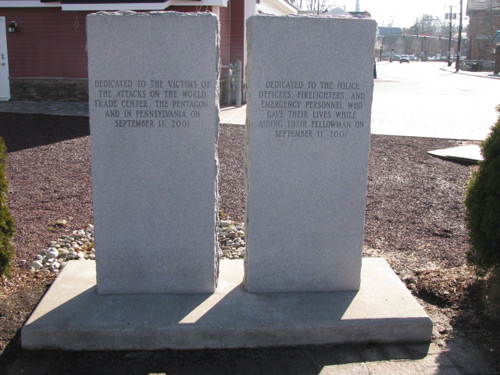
<point x="413" y="58"/>
<point x="404" y="58"/>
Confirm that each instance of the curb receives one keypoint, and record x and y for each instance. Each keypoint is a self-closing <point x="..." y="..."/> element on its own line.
<point x="471" y="74"/>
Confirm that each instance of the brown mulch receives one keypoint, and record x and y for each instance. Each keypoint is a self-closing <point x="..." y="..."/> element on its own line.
<point x="414" y="218"/>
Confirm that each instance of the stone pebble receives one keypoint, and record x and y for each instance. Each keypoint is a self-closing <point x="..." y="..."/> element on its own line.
<point x="77" y="246"/>
<point x="80" y="246"/>
<point x="231" y="236"/>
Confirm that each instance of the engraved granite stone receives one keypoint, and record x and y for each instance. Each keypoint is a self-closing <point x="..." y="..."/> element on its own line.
<point x="310" y="84"/>
<point x="153" y="117"/>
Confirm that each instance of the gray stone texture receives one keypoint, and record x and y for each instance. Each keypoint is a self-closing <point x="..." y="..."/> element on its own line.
<point x="310" y="84"/>
<point x="72" y="316"/>
<point x="153" y="117"/>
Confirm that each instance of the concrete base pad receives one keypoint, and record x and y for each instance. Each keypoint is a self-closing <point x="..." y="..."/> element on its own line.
<point x="72" y="316"/>
<point x="468" y="153"/>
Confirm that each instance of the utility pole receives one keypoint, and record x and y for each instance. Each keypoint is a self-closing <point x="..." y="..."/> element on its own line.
<point x="457" y="63"/>
<point x="423" y="37"/>
<point x="450" y="15"/>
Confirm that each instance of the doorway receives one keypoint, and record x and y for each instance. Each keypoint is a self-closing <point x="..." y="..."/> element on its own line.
<point x="4" y="63"/>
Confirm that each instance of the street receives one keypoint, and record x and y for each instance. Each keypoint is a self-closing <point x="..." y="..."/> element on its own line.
<point x="416" y="99"/>
<point x="422" y="100"/>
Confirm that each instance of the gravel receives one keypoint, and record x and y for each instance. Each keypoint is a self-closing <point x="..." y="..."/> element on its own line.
<point x="414" y="211"/>
<point x="77" y="246"/>
<point x="80" y="246"/>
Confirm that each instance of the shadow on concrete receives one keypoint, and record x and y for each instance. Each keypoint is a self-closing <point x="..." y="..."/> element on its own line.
<point x="73" y="316"/>
<point x="280" y="360"/>
<point x="475" y="344"/>
<point x="22" y="131"/>
<point x="229" y="319"/>
<point x="147" y="320"/>
<point x="471" y="342"/>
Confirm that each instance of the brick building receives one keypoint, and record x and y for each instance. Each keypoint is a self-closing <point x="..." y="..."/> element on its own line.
<point x="484" y="22"/>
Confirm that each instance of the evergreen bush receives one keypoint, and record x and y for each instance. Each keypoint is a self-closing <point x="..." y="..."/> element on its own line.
<point x="483" y="204"/>
<point x="6" y="221"/>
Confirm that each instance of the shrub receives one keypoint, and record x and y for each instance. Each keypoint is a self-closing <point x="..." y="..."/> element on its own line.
<point x="6" y="221"/>
<point x="483" y="204"/>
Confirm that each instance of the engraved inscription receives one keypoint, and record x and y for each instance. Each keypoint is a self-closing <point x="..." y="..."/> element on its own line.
<point x="311" y="109"/>
<point x="150" y="104"/>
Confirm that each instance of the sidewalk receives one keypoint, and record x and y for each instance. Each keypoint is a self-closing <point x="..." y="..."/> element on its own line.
<point x="391" y="115"/>
<point x="233" y="115"/>
<point x="228" y="115"/>
<point x="452" y="69"/>
<point x="384" y="119"/>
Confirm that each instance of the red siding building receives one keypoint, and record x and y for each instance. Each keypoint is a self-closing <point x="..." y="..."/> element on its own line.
<point x="484" y="22"/>
<point x="43" y="44"/>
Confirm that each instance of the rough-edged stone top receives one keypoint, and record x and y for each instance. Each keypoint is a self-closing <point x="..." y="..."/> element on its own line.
<point x="310" y="84"/>
<point x="154" y="114"/>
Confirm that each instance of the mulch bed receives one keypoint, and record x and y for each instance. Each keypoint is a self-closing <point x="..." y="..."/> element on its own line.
<point x="414" y="216"/>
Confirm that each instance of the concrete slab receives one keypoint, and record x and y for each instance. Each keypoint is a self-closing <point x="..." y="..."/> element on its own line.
<point x="468" y="153"/>
<point x="233" y="115"/>
<point x="72" y="316"/>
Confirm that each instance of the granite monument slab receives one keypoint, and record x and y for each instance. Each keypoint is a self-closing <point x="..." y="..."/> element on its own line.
<point x="310" y="85"/>
<point x="153" y="117"/>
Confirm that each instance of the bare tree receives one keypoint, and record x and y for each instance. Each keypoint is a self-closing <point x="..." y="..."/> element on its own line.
<point x="428" y="25"/>
<point x="296" y="3"/>
<point x="319" y="6"/>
